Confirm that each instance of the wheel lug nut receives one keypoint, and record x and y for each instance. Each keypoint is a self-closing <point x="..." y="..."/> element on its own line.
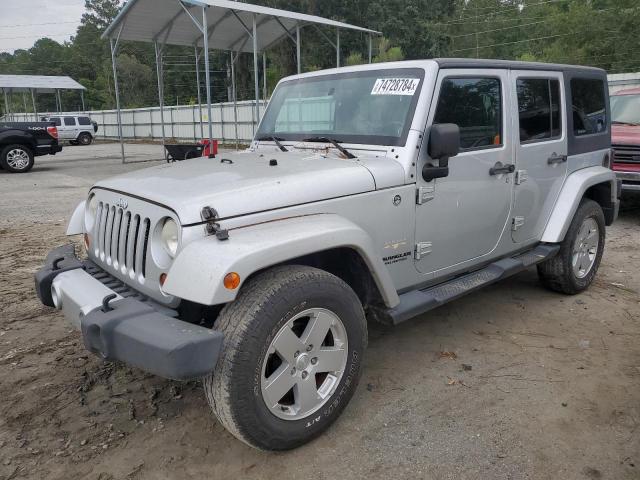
<point x="314" y="360"/>
<point x="304" y="375"/>
<point x="295" y="355"/>
<point x="309" y="348"/>
<point x="293" y="371"/>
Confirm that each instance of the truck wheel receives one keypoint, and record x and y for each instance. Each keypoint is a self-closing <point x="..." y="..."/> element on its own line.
<point x="294" y="340"/>
<point x="572" y="270"/>
<point x="16" y="158"/>
<point x="85" y="139"/>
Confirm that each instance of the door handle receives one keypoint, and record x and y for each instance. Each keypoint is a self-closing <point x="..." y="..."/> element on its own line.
<point x="499" y="168"/>
<point x="554" y="159"/>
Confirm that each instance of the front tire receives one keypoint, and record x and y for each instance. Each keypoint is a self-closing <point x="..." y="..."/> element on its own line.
<point x="573" y="269"/>
<point x="16" y="158"/>
<point x="292" y="356"/>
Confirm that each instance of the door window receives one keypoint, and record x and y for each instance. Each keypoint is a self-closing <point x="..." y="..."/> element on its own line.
<point x="588" y="101"/>
<point x="69" y="121"/>
<point x="539" y="109"/>
<point x="84" y="120"/>
<point x="475" y="105"/>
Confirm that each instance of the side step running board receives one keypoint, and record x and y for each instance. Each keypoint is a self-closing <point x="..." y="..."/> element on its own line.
<point x="418" y="302"/>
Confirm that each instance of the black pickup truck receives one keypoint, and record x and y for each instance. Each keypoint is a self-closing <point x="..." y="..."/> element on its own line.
<point x="20" y="142"/>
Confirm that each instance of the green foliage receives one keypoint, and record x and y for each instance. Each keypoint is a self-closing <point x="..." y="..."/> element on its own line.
<point x="387" y="53"/>
<point x="354" y="59"/>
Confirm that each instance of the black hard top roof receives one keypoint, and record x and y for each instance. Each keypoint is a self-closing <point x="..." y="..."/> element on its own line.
<point x="513" y="65"/>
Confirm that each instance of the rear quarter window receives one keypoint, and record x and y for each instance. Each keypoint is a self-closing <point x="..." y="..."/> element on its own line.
<point x="588" y="106"/>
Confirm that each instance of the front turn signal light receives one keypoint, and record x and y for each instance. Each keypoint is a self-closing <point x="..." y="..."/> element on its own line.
<point x="231" y="281"/>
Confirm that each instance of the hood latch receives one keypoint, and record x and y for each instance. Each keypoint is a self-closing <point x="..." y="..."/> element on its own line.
<point x="212" y="227"/>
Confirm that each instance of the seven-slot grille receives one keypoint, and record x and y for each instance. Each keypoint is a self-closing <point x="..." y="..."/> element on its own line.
<point x="626" y="153"/>
<point x="121" y="239"/>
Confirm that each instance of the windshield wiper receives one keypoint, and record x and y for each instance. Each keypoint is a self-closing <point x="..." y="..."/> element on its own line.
<point x="332" y="141"/>
<point x="276" y="140"/>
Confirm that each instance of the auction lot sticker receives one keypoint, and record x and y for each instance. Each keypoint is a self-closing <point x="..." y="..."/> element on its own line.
<point x="395" y="86"/>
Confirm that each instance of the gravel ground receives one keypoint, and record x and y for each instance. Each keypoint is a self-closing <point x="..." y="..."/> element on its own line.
<point x="513" y="382"/>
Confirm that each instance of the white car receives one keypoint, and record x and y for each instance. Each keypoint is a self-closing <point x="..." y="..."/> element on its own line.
<point x="76" y="129"/>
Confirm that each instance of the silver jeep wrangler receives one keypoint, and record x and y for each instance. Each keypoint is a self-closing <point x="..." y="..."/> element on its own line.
<point x="378" y="191"/>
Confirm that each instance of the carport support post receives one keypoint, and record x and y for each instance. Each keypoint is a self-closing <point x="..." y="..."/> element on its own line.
<point x="24" y="101"/>
<point x="235" y="99"/>
<point x="33" y="100"/>
<point x="198" y="84"/>
<point x="256" y="78"/>
<point x="6" y="104"/>
<point x="159" y="71"/>
<point x="207" y="75"/>
<point x="337" y="48"/>
<point x="370" y="47"/>
<point x="59" y="100"/>
<point x="114" y="49"/>
<point x="264" y="76"/>
<point x="298" y="48"/>
<point x="82" y="100"/>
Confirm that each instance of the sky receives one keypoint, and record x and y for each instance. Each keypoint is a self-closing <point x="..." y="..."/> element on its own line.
<point x="22" y="22"/>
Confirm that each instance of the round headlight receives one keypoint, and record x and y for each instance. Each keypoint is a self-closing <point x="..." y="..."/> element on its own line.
<point x="90" y="212"/>
<point x="169" y="237"/>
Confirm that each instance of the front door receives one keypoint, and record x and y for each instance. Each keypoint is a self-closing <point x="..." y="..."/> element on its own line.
<point x="462" y="217"/>
<point x="541" y="150"/>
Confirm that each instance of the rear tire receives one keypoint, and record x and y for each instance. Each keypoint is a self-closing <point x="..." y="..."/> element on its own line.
<point x="294" y="340"/>
<point x="16" y="158"/>
<point x="573" y="269"/>
<point x="85" y="139"/>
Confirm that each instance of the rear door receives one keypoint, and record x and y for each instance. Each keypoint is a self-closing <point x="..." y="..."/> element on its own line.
<point x="540" y="139"/>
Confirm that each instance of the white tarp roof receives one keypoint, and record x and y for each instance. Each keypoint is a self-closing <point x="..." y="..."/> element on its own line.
<point x="41" y="83"/>
<point x="152" y="20"/>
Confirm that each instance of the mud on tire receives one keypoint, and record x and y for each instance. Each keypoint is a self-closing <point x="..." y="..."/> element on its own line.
<point x="250" y="325"/>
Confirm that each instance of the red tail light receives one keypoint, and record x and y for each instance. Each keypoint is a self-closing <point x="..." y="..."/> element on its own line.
<point x="53" y="131"/>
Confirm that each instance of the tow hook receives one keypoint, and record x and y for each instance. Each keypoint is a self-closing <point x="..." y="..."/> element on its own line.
<point x="209" y="215"/>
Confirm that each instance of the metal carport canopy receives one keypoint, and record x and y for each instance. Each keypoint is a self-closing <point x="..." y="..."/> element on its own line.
<point x="168" y="22"/>
<point x="41" y="83"/>
<point x="218" y="24"/>
<point x="35" y="84"/>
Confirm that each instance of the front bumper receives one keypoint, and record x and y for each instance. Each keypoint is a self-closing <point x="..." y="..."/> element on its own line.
<point x="119" y="327"/>
<point x="630" y="181"/>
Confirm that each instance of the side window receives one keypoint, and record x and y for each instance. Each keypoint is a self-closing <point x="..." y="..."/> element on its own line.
<point x="539" y="109"/>
<point x="588" y="105"/>
<point x="84" y="121"/>
<point x="55" y="120"/>
<point x="475" y="105"/>
<point x="69" y="121"/>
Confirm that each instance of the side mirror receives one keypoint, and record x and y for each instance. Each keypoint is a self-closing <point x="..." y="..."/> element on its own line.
<point x="444" y="143"/>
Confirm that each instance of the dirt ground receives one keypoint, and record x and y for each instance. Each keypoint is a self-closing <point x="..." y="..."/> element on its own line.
<point x="513" y="382"/>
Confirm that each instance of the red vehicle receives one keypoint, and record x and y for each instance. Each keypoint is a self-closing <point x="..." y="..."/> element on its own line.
<point x="625" y="137"/>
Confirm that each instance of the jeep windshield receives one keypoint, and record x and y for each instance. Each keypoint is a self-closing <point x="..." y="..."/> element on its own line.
<point x="625" y="109"/>
<point x="373" y="107"/>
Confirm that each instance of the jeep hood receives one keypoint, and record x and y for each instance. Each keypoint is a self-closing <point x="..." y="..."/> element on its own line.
<point x="244" y="182"/>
